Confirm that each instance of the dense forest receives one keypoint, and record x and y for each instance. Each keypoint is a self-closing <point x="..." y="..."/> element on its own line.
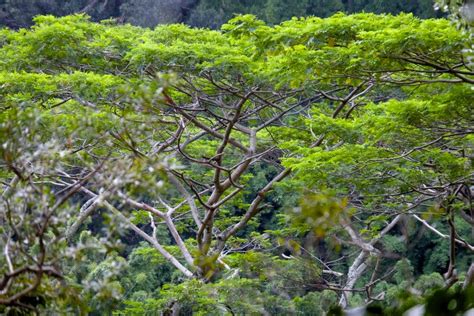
<point x="201" y="13"/>
<point x="264" y="165"/>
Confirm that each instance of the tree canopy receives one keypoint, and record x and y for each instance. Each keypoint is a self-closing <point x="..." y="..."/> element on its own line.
<point x="259" y="168"/>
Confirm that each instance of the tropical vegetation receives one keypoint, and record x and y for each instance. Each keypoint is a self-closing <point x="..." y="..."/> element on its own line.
<point x="299" y="168"/>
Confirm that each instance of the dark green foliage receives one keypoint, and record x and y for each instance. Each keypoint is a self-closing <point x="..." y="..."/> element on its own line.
<point x="450" y="302"/>
<point x="201" y="13"/>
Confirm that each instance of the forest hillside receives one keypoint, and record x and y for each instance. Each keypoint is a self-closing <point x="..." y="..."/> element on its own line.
<point x="201" y="13"/>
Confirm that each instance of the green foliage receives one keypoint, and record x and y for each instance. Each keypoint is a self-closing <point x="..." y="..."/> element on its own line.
<point x="207" y="13"/>
<point x="315" y="303"/>
<point x="373" y="127"/>
<point x="319" y="212"/>
<point x="403" y="272"/>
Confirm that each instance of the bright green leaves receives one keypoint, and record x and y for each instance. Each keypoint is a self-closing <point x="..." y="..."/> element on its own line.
<point x="242" y="26"/>
<point x="319" y="165"/>
<point x="350" y="44"/>
<point x="24" y="87"/>
<point x="430" y="35"/>
<point x="181" y="49"/>
<point x="336" y="130"/>
<point x="291" y="53"/>
<point x="71" y="42"/>
<point x="78" y="94"/>
<point x="91" y="86"/>
<point x="52" y="42"/>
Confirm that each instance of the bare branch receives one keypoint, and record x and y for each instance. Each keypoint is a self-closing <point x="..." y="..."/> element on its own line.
<point x="440" y="234"/>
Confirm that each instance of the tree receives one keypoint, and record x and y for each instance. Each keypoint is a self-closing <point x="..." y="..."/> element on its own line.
<point x="193" y="138"/>
<point x="421" y="161"/>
